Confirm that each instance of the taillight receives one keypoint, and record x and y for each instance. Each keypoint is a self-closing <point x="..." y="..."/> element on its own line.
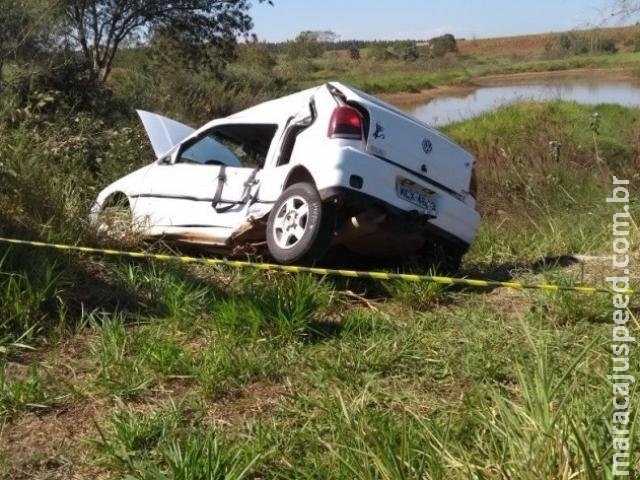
<point x="346" y="122"/>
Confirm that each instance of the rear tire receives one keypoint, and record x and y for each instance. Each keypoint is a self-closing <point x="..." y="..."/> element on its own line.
<point x="300" y="226"/>
<point x="444" y="257"/>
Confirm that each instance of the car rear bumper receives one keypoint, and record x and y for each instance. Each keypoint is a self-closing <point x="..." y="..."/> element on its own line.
<point x="455" y="219"/>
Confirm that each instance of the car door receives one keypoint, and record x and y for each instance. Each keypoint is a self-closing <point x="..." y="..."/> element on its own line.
<point x="207" y="183"/>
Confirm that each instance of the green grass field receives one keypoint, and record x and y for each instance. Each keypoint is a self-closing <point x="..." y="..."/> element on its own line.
<point x="135" y="369"/>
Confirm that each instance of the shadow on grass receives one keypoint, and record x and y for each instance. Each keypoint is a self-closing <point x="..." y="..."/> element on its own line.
<point x="502" y="272"/>
<point x="506" y="272"/>
<point x="65" y="287"/>
<point x="319" y="331"/>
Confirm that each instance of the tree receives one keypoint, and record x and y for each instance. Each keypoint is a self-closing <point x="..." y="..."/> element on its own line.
<point x="380" y="51"/>
<point x="354" y="52"/>
<point x="305" y="46"/>
<point x="256" y="55"/>
<point x="440" y="46"/>
<point x="100" y="27"/>
<point x="26" y="24"/>
<point x="310" y="44"/>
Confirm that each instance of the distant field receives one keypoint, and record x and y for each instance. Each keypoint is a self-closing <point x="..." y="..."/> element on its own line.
<point x="616" y="50"/>
<point x="527" y="45"/>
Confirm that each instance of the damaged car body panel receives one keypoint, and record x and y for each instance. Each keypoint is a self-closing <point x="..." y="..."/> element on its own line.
<point x="326" y="166"/>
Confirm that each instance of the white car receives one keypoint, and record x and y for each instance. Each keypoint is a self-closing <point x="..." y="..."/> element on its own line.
<point x="326" y="166"/>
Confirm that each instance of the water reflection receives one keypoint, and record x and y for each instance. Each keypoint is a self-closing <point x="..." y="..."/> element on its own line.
<point x="448" y="109"/>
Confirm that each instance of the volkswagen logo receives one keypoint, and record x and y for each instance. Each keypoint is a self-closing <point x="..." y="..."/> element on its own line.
<point x="427" y="146"/>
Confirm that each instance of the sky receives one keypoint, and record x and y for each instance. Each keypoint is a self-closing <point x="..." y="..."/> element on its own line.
<point x="423" y="19"/>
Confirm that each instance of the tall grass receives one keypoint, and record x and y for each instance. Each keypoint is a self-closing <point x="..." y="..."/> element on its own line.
<point x="30" y="301"/>
<point x="536" y="203"/>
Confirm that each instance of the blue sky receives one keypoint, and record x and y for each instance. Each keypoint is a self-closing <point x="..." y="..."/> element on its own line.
<point x="387" y="20"/>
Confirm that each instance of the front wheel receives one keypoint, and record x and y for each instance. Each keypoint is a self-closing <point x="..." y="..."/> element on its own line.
<point x="300" y="226"/>
<point x="115" y="220"/>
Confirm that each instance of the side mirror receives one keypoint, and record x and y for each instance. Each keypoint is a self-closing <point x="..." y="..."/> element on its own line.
<point x="170" y="158"/>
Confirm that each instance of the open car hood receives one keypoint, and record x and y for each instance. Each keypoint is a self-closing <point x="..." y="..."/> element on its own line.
<point x="164" y="133"/>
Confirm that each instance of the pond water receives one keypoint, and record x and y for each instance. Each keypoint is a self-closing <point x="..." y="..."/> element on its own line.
<point x="452" y="108"/>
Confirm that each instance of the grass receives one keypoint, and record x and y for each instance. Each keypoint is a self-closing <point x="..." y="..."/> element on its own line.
<point x="464" y="389"/>
<point x="536" y="205"/>
<point x="153" y="446"/>
<point x="135" y="369"/>
<point x="20" y="393"/>
<point x="445" y="394"/>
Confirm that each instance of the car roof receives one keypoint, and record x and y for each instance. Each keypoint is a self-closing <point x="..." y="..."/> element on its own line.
<point x="275" y="111"/>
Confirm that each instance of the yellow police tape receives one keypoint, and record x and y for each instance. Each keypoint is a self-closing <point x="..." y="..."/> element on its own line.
<point x="466" y="282"/>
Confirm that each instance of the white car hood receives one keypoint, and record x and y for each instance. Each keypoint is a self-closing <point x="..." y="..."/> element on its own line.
<point x="164" y="133"/>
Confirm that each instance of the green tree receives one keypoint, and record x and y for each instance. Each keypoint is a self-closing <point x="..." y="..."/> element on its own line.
<point x="310" y="44"/>
<point x="100" y="27"/>
<point x="25" y="26"/>
<point x="440" y="46"/>
<point x="305" y="46"/>
<point x="410" y="53"/>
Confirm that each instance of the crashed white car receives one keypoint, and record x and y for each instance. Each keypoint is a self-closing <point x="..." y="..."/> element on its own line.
<point x="294" y="176"/>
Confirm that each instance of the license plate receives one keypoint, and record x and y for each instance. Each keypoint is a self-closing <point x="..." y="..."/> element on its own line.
<point x="418" y="196"/>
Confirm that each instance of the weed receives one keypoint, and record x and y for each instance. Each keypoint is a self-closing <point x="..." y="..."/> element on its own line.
<point x="197" y="456"/>
<point x="288" y="305"/>
<point x="166" y="290"/>
<point x="229" y="362"/>
<point x="130" y="437"/>
<point x="360" y="323"/>
<point x="542" y="428"/>
<point x="118" y="370"/>
<point x="419" y="295"/>
<point x="165" y="355"/>
<point x="27" y="299"/>
<point x="561" y="307"/>
<point x="157" y="445"/>
<point x="18" y="394"/>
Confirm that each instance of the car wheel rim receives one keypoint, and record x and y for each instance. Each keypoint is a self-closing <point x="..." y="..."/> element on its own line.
<point x="290" y="223"/>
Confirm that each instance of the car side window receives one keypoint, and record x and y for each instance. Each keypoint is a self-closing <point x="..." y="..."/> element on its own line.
<point x="234" y="145"/>
<point x="208" y="151"/>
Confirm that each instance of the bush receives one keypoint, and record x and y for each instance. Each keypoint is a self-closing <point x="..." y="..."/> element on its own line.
<point x="410" y="53"/>
<point x="440" y="46"/>
<point x="380" y="51"/>
<point x="354" y="53"/>
<point x="255" y="55"/>
<point x="578" y="44"/>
